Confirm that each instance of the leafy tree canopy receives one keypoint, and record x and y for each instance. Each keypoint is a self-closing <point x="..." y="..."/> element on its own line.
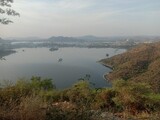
<point x="5" y="10"/>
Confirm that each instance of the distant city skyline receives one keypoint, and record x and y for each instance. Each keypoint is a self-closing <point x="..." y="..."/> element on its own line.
<point x="46" y="18"/>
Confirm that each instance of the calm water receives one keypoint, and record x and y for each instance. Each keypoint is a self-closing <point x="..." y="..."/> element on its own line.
<point x="76" y="63"/>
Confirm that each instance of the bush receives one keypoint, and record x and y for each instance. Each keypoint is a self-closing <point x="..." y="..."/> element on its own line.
<point x="42" y="84"/>
<point x="133" y="97"/>
<point x="63" y="112"/>
<point x="80" y="93"/>
<point x="103" y="99"/>
<point x="38" y="99"/>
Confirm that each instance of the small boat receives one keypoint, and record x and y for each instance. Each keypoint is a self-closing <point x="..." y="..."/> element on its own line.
<point x="53" y="49"/>
<point x="60" y="60"/>
<point x="107" y="54"/>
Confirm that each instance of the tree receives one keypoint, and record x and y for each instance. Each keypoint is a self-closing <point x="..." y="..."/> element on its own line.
<point x="5" y="9"/>
<point x="42" y="84"/>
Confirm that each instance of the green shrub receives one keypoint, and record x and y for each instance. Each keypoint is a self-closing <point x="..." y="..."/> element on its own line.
<point x="103" y="99"/>
<point x="38" y="83"/>
<point x="80" y="93"/>
<point x="131" y="96"/>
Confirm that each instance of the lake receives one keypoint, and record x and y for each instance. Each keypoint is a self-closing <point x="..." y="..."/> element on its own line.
<point x="65" y="66"/>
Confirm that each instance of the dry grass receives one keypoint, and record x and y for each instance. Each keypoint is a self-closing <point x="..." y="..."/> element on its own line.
<point x="30" y="108"/>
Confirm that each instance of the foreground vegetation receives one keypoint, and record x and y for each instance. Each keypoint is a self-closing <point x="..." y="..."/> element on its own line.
<point x="38" y="99"/>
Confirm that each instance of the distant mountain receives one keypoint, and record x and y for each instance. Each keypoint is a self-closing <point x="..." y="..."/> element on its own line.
<point x="96" y="38"/>
<point x="120" y="38"/>
<point x="91" y="38"/>
<point x="24" y="38"/>
<point x="140" y="64"/>
<point x="2" y="40"/>
<point x="87" y="38"/>
<point x="65" y="39"/>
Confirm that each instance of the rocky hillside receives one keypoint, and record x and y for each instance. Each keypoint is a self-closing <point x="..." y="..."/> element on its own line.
<point x="140" y="64"/>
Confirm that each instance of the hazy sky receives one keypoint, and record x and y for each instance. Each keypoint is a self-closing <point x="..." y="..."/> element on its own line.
<point x="45" y="18"/>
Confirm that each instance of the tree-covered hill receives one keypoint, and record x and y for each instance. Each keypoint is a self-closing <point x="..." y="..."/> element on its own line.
<point x="140" y="64"/>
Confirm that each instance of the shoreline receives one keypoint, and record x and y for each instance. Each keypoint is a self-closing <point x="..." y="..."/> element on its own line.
<point x="106" y="65"/>
<point x="105" y="77"/>
<point x="105" y="74"/>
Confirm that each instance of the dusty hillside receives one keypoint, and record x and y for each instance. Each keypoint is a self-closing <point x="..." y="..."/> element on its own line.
<point x="140" y="64"/>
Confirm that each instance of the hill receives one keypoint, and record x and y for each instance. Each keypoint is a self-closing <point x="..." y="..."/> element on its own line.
<point x="140" y="64"/>
<point x="64" y="39"/>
